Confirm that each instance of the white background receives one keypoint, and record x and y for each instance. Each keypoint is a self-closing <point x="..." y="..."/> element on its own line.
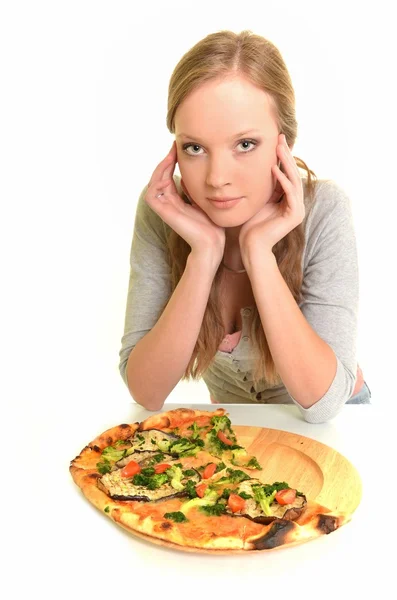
<point x="82" y="126"/>
<point x="83" y="108"/>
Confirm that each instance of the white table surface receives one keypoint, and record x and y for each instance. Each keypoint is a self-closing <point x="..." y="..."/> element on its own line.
<point x="68" y="548"/>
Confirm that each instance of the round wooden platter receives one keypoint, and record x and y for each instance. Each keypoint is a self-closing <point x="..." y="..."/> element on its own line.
<point x="324" y="475"/>
<point x="320" y="472"/>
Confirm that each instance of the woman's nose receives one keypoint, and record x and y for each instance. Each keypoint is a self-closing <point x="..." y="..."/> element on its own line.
<point x="218" y="174"/>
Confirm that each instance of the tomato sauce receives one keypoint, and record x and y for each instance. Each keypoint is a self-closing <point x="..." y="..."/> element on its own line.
<point x="199" y="526"/>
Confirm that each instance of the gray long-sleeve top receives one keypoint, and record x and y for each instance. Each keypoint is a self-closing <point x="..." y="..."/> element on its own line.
<point x="329" y="302"/>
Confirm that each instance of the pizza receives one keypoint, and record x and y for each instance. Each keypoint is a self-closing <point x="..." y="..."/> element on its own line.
<point x="181" y="478"/>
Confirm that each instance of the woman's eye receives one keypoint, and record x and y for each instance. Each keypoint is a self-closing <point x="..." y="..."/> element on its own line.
<point x="186" y="146"/>
<point x="253" y="143"/>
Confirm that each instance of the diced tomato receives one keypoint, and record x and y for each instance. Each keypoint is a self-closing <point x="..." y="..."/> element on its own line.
<point x="284" y="497"/>
<point x="131" y="469"/>
<point x="224" y="439"/>
<point x="209" y="470"/>
<point x="200" y="489"/>
<point x="236" y="503"/>
<point x="160" y="468"/>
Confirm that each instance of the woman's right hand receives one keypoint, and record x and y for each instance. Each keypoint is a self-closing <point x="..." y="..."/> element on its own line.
<point x="189" y="221"/>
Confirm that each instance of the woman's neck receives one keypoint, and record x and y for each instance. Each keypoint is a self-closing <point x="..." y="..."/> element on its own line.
<point x="232" y="254"/>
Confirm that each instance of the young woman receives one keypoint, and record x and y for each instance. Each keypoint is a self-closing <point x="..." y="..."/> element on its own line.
<point x="244" y="269"/>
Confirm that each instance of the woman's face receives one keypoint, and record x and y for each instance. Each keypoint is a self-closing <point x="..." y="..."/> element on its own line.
<point x="226" y="137"/>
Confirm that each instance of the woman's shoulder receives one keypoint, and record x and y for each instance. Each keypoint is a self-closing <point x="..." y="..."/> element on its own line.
<point x="328" y="201"/>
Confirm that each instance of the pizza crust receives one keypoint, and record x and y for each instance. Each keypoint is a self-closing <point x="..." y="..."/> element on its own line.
<point x="177" y="417"/>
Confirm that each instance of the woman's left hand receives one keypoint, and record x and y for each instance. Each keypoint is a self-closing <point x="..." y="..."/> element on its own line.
<point x="284" y="211"/>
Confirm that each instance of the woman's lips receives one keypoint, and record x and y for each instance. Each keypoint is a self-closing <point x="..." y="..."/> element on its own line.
<point x="225" y="203"/>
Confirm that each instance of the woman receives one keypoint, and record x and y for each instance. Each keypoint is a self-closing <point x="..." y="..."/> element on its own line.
<point x="256" y="294"/>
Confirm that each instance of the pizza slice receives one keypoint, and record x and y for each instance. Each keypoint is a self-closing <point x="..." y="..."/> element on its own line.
<point x="181" y="478"/>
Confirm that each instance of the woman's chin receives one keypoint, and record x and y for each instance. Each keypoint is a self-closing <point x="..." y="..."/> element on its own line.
<point x="228" y="220"/>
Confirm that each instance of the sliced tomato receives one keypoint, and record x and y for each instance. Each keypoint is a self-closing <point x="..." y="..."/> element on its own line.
<point x="236" y="503"/>
<point x="224" y="439"/>
<point x="209" y="470"/>
<point x="200" y="489"/>
<point x="131" y="469"/>
<point x="284" y="497"/>
<point x="161" y="467"/>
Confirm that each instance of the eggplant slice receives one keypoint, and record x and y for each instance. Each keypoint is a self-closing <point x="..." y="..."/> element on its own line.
<point x="144" y="458"/>
<point x="254" y="511"/>
<point x="152" y="439"/>
<point x="120" y="488"/>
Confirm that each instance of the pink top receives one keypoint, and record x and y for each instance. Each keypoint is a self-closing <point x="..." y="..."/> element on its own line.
<point x="228" y="343"/>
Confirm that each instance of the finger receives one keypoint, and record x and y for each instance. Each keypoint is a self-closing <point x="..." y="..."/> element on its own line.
<point x="288" y="192"/>
<point x="160" y="188"/>
<point x="284" y="182"/>
<point x="165" y="192"/>
<point x="168" y="162"/>
<point x="288" y="162"/>
<point x="293" y="195"/>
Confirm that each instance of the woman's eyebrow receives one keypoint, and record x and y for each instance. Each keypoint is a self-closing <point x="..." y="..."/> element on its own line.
<point x="233" y="137"/>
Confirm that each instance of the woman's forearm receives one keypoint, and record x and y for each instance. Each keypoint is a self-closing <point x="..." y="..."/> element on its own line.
<point x="306" y="363"/>
<point x="159" y="360"/>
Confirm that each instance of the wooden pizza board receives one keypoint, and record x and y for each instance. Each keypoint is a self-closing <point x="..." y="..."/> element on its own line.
<point x="320" y="472"/>
<point x="324" y="475"/>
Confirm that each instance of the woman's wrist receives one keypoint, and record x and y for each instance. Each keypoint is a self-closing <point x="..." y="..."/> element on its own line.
<point x="254" y="258"/>
<point x="204" y="260"/>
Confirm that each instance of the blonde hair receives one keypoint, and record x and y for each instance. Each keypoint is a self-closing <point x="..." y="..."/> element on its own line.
<point x="220" y="55"/>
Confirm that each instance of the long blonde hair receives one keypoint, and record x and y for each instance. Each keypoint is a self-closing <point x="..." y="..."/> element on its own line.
<point x="217" y="56"/>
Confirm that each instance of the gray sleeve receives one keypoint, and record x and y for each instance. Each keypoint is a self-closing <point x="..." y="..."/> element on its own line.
<point x="330" y="292"/>
<point x="149" y="285"/>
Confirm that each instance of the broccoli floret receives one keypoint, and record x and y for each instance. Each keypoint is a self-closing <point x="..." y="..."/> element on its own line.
<point x="209" y="499"/>
<point x="163" y="445"/>
<point x="190" y="489"/>
<point x="196" y="430"/>
<point x="112" y="455"/>
<point x="151" y="482"/>
<point x="226" y="493"/>
<point x="184" y="447"/>
<point x="174" y="474"/>
<point x="157" y="458"/>
<point x="234" y="476"/>
<point x="277" y="486"/>
<point x="189" y="473"/>
<point x="157" y="481"/>
<point x="220" y="467"/>
<point x="263" y="499"/>
<point x="148" y="471"/>
<point x="238" y="457"/>
<point x="214" y="444"/>
<point x="104" y="467"/>
<point x="217" y="509"/>
<point x="221" y="424"/>
<point x="253" y="464"/>
<point x="178" y="517"/>
<point x="140" y="479"/>
<point x="119" y="443"/>
<point x="244" y="495"/>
